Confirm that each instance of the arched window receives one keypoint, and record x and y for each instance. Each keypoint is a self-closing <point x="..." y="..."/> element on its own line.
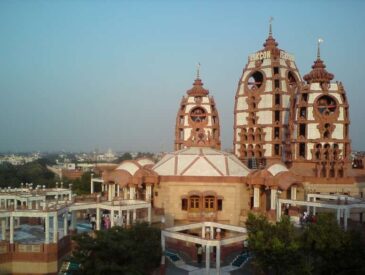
<point x="255" y="81"/>
<point x="209" y="203"/>
<point x="194" y="202"/>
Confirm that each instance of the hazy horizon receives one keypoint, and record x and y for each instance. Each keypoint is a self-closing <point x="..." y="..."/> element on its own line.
<point x="86" y="75"/>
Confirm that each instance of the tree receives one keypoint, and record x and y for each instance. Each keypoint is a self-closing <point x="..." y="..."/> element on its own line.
<point x="276" y="247"/>
<point x="81" y="186"/>
<point x="332" y="250"/>
<point x="133" y="251"/>
<point x="125" y="156"/>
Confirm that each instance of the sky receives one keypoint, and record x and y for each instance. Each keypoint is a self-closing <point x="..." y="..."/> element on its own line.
<point x="87" y="75"/>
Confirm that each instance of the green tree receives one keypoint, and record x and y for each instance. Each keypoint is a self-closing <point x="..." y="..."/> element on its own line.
<point x="125" y="156"/>
<point x="133" y="251"/>
<point x="81" y="186"/>
<point x="276" y="247"/>
<point x="332" y="250"/>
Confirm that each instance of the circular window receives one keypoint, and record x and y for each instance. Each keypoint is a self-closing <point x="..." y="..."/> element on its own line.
<point x="198" y="115"/>
<point x="326" y="105"/>
<point x="255" y="81"/>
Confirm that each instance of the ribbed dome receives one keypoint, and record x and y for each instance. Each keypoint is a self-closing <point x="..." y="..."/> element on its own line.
<point x="200" y="161"/>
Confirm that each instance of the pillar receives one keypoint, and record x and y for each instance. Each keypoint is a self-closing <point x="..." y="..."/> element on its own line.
<point x="91" y="185"/>
<point x="207" y="260"/>
<point x="118" y="190"/>
<point x="218" y="259"/>
<point x="97" y="219"/>
<point x="128" y="218"/>
<point x="163" y="249"/>
<point x="149" y="215"/>
<point x="148" y="192"/>
<point x="11" y="233"/>
<point x="125" y="193"/>
<point x="314" y="208"/>
<point x="134" y="215"/>
<point x="55" y="228"/>
<point x="293" y="192"/>
<point x="132" y="193"/>
<point x="278" y="211"/>
<point x="70" y="196"/>
<point x="111" y="218"/>
<point x="3" y="229"/>
<point x="65" y="225"/>
<point x="109" y="192"/>
<point x="345" y="217"/>
<point x="273" y="194"/>
<point x="211" y="232"/>
<point x="73" y="220"/>
<point x="256" y="197"/>
<point x="338" y="216"/>
<point x="46" y="230"/>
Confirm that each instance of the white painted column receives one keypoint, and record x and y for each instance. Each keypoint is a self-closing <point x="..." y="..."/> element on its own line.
<point x="293" y="192"/>
<point x="134" y="215"/>
<point x="218" y="259"/>
<point x="314" y="208"/>
<point x="109" y="192"/>
<point x="211" y="232"/>
<point x="91" y="185"/>
<point x="207" y="260"/>
<point x="73" y="220"/>
<point x="308" y="199"/>
<point x="111" y="218"/>
<point x="118" y="190"/>
<point x="346" y="215"/>
<point x="278" y="212"/>
<point x="132" y="193"/>
<point x="273" y="194"/>
<point x="149" y="214"/>
<point x="55" y="228"/>
<point x="65" y="225"/>
<point x="70" y="196"/>
<point x="97" y="219"/>
<point x="128" y="217"/>
<point x="46" y="230"/>
<point x="203" y="232"/>
<point x="256" y="197"/>
<point x="148" y="192"/>
<point x="339" y="216"/>
<point x="3" y="229"/>
<point x="125" y="193"/>
<point x="11" y="233"/>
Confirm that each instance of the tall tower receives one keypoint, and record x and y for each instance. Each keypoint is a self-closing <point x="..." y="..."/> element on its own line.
<point x="264" y="97"/>
<point x="197" y="121"/>
<point x="320" y="132"/>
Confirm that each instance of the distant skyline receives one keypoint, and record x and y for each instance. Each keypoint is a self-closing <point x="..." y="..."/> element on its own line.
<point x="86" y="75"/>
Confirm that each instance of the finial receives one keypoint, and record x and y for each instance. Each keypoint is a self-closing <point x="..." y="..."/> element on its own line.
<point x="270" y="25"/>
<point x="198" y="71"/>
<point x="320" y="40"/>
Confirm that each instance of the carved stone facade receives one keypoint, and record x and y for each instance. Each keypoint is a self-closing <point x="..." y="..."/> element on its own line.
<point x="320" y="136"/>
<point x="197" y="121"/>
<point x="263" y="104"/>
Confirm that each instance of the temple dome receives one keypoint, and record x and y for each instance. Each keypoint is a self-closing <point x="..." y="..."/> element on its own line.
<point x="200" y="161"/>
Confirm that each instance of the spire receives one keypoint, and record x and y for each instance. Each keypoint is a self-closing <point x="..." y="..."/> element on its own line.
<point x="270" y="42"/>
<point x="198" y="71"/>
<point x="319" y="73"/>
<point x="320" y="40"/>
<point x="270" y="25"/>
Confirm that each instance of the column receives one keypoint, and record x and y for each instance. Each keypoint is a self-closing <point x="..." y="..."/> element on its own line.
<point x="148" y="192"/>
<point x="149" y="215"/>
<point x="46" y="230"/>
<point x="273" y="194"/>
<point x="293" y="192"/>
<point x="308" y="199"/>
<point x="218" y="259"/>
<point x="118" y="190"/>
<point x="97" y="219"/>
<point x="345" y="217"/>
<point x="111" y="218"/>
<point x="211" y="232"/>
<point x="207" y="260"/>
<point x="125" y="193"/>
<point x="256" y="196"/>
<point x="109" y="192"/>
<point x="203" y="232"/>
<point x="132" y="193"/>
<point x="70" y="196"/>
<point x="128" y="218"/>
<point x="278" y="211"/>
<point x="11" y="233"/>
<point x="55" y="228"/>
<point x="134" y="215"/>
<point x="65" y="229"/>
<point x="338" y="216"/>
<point x="73" y="220"/>
<point x="91" y="185"/>
<point x="3" y="229"/>
<point x="314" y="208"/>
<point x="163" y="249"/>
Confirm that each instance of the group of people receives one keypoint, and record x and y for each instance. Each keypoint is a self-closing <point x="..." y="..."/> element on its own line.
<point x="307" y="217"/>
<point x="105" y="221"/>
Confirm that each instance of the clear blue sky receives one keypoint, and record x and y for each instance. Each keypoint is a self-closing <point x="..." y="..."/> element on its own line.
<point x="80" y="75"/>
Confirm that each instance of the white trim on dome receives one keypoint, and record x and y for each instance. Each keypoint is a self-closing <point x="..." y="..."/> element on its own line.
<point x="276" y="169"/>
